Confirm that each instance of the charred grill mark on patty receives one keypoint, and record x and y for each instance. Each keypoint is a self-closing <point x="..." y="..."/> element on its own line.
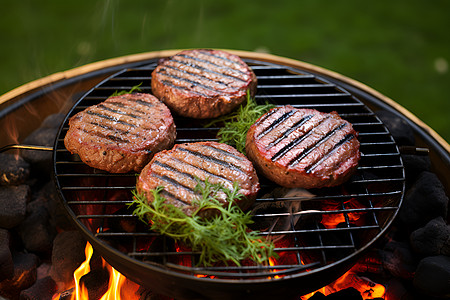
<point x="193" y="83"/>
<point x="196" y="85"/>
<point x="175" y="170"/>
<point x="220" y="162"/>
<point x="121" y="132"/>
<point x="175" y="183"/>
<point x="346" y="139"/>
<point x="275" y="122"/>
<point x="265" y="117"/>
<point x="207" y="174"/>
<point x="206" y="70"/>
<point x="114" y="120"/>
<point x="178" y="179"/>
<point x="110" y="118"/>
<point x="210" y="63"/>
<point x="170" y="196"/>
<point x="116" y="111"/>
<point x="223" y="152"/>
<point x="297" y="141"/>
<point x="113" y="129"/>
<point x="314" y="146"/>
<point x="220" y="57"/>
<point x="132" y="105"/>
<point x="108" y="136"/>
<point x="183" y="88"/>
<point x="181" y="169"/>
<point x="141" y="102"/>
<point x="197" y="76"/>
<point x="288" y="131"/>
<point x="308" y="149"/>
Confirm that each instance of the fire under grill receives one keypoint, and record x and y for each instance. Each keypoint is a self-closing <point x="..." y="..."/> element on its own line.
<point x="318" y="233"/>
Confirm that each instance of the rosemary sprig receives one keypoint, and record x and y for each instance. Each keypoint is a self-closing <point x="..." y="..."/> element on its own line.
<point x="135" y="88"/>
<point x="237" y="123"/>
<point x="222" y="238"/>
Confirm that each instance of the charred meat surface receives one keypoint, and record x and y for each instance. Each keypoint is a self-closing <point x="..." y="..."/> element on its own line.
<point x="180" y="169"/>
<point x="203" y="83"/>
<point x="122" y="133"/>
<point x="303" y="147"/>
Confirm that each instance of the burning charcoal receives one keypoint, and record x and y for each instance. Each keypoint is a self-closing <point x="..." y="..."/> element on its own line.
<point x="348" y="294"/>
<point x="13" y="201"/>
<point x="35" y="231"/>
<point x="424" y="201"/>
<point x="44" y="288"/>
<point x="96" y="283"/>
<point x="6" y="261"/>
<point x="67" y="255"/>
<point x="433" y="276"/>
<point x="370" y="263"/>
<point x="40" y="161"/>
<point x="13" y="170"/>
<point x="399" y="128"/>
<point x="25" y="274"/>
<point x="433" y="239"/>
<point x="398" y="259"/>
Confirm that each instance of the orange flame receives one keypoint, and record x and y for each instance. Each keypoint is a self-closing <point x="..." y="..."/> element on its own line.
<point x="116" y="281"/>
<point x="83" y="269"/>
<point x="116" y="285"/>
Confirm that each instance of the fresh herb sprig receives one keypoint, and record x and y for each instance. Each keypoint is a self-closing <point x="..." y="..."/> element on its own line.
<point x="224" y="237"/>
<point x="237" y="123"/>
<point x="135" y="88"/>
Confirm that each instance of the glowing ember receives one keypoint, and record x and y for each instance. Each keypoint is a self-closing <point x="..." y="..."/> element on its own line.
<point x="333" y="220"/>
<point x="367" y="288"/>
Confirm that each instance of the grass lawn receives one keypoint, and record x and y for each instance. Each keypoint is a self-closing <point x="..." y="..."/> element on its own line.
<point x="400" y="48"/>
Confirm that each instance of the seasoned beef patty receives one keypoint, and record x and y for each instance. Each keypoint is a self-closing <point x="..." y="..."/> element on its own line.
<point x="203" y="83"/>
<point x="122" y="133"/>
<point x="180" y="169"/>
<point x="303" y="147"/>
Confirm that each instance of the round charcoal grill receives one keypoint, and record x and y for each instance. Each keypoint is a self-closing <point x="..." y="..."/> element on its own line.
<point x="318" y="234"/>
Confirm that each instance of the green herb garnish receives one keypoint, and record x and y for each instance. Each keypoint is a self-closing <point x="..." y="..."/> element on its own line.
<point x="135" y="88"/>
<point x="224" y="237"/>
<point x="237" y="123"/>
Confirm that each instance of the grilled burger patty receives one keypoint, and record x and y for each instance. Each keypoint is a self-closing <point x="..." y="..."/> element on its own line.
<point x="179" y="169"/>
<point x="303" y="147"/>
<point x="122" y="133"/>
<point x="203" y="83"/>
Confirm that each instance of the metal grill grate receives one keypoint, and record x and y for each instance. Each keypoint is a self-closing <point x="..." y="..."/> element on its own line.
<point x="328" y="227"/>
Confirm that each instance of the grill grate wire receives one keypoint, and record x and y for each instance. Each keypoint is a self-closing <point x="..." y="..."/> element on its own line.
<point x="99" y="200"/>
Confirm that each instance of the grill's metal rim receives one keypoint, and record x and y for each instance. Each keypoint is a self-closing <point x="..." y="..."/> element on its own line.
<point x="349" y="257"/>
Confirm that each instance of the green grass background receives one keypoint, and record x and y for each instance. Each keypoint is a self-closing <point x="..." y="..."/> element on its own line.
<point x="400" y="48"/>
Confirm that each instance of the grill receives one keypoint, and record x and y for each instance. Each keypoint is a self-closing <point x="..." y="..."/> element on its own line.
<point x="318" y="234"/>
